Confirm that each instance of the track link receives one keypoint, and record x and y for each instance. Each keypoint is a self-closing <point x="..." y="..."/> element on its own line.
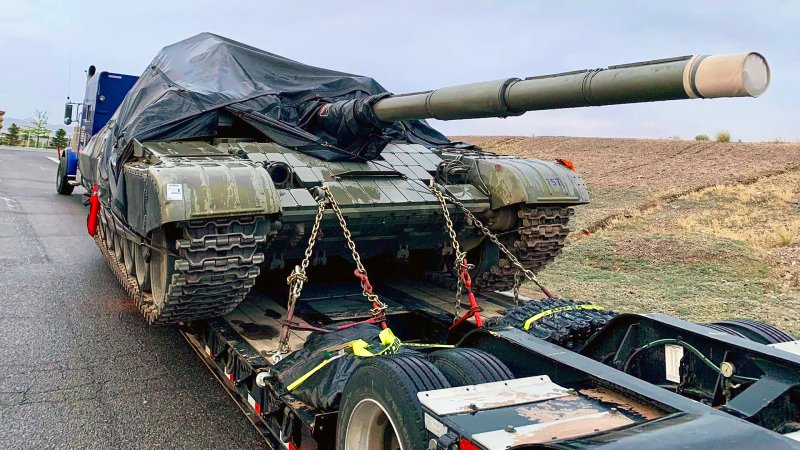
<point x="217" y="264"/>
<point x="539" y="238"/>
<point x="568" y="326"/>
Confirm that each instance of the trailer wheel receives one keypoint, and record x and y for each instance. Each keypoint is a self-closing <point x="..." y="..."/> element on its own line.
<point x="724" y="329"/>
<point x="380" y="409"/>
<point x="62" y="181"/>
<point x="756" y="331"/>
<point x="466" y="366"/>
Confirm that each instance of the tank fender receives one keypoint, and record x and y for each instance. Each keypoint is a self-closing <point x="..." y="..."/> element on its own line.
<point x="512" y="181"/>
<point x="164" y="193"/>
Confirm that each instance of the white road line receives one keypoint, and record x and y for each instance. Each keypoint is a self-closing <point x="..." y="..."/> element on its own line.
<point x="55" y="160"/>
<point x="11" y="204"/>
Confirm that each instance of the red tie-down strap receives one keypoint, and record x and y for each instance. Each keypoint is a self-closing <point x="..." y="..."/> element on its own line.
<point x="94" y="212"/>
<point x="474" y="309"/>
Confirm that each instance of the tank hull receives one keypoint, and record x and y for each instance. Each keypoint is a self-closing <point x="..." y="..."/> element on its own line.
<point x="219" y="216"/>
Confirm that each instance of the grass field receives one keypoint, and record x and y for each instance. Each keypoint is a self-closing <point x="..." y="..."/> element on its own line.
<point x="705" y="247"/>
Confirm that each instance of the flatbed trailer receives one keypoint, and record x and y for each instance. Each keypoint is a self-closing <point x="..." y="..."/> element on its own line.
<point x="557" y="398"/>
<point x="196" y="175"/>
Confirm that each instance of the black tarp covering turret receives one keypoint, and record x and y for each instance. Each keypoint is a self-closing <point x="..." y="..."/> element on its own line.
<point x="190" y="83"/>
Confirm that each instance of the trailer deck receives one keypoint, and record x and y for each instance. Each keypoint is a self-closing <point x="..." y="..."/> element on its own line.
<point x="557" y="395"/>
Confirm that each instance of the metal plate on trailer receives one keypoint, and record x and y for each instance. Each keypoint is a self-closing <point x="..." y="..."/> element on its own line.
<point x="465" y="399"/>
<point x="794" y="435"/>
<point x="791" y="346"/>
<point x="553" y="430"/>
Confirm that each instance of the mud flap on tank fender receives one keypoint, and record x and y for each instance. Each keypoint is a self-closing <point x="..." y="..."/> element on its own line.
<point x="534" y="182"/>
<point x="160" y="194"/>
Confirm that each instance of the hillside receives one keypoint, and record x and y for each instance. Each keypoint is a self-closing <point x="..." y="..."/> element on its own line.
<point x="702" y="230"/>
<point x="27" y="123"/>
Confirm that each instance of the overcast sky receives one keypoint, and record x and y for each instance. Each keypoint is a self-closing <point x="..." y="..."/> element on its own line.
<point x="418" y="45"/>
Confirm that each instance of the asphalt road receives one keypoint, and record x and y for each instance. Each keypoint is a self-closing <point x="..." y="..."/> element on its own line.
<point x="80" y="367"/>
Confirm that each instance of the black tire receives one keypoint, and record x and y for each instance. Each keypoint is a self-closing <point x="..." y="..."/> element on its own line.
<point x="62" y="181"/>
<point x="756" y="331"/>
<point x="467" y="366"/>
<point x="387" y="387"/>
<point x="724" y="329"/>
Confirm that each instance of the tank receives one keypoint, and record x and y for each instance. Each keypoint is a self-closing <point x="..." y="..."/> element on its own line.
<point x="208" y="174"/>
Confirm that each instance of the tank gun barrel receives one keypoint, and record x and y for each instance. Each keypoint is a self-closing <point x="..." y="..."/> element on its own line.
<point x="698" y="76"/>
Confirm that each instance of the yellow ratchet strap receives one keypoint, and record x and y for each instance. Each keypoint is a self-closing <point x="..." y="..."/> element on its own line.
<point x="388" y="340"/>
<point x="410" y="344"/>
<point x="551" y="311"/>
<point x="319" y="366"/>
<point x="360" y="348"/>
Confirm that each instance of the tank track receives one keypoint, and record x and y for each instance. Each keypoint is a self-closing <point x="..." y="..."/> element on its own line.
<point x="217" y="264"/>
<point x="541" y="235"/>
<point x="569" y="328"/>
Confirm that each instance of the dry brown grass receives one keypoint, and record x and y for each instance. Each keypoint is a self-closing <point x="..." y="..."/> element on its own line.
<point x="703" y="256"/>
<point x="721" y="252"/>
<point x="701" y="230"/>
<point x="626" y="174"/>
<point x="765" y="214"/>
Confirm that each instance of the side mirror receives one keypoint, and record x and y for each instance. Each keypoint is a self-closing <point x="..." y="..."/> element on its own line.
<point x="68" y="114"/>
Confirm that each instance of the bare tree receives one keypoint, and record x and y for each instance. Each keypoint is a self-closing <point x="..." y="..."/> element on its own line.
<point x="39" y="126"/>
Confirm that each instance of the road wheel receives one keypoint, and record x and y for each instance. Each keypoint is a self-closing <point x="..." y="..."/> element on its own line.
<point x="141" y="265"/>
<point x="119" y="246"/>
<point x="380" y="409"/>
<point x="162" y="266"/>
<point x="108" y="233"/>
<point x="128" y="256"/>
<point x="62" y="182"/>
<point x="467" y="366"/>
<point x="101" y="228"/>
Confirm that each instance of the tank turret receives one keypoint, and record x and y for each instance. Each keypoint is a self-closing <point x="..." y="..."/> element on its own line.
<point x="698" y="76"/>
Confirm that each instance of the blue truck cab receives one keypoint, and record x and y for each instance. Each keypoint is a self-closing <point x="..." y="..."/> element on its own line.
<point x="105" y="91"/>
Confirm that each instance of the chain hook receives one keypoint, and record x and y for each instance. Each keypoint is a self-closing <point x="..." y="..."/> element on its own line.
<point x="365" y="284"/>
<point x="378" y="307"/>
